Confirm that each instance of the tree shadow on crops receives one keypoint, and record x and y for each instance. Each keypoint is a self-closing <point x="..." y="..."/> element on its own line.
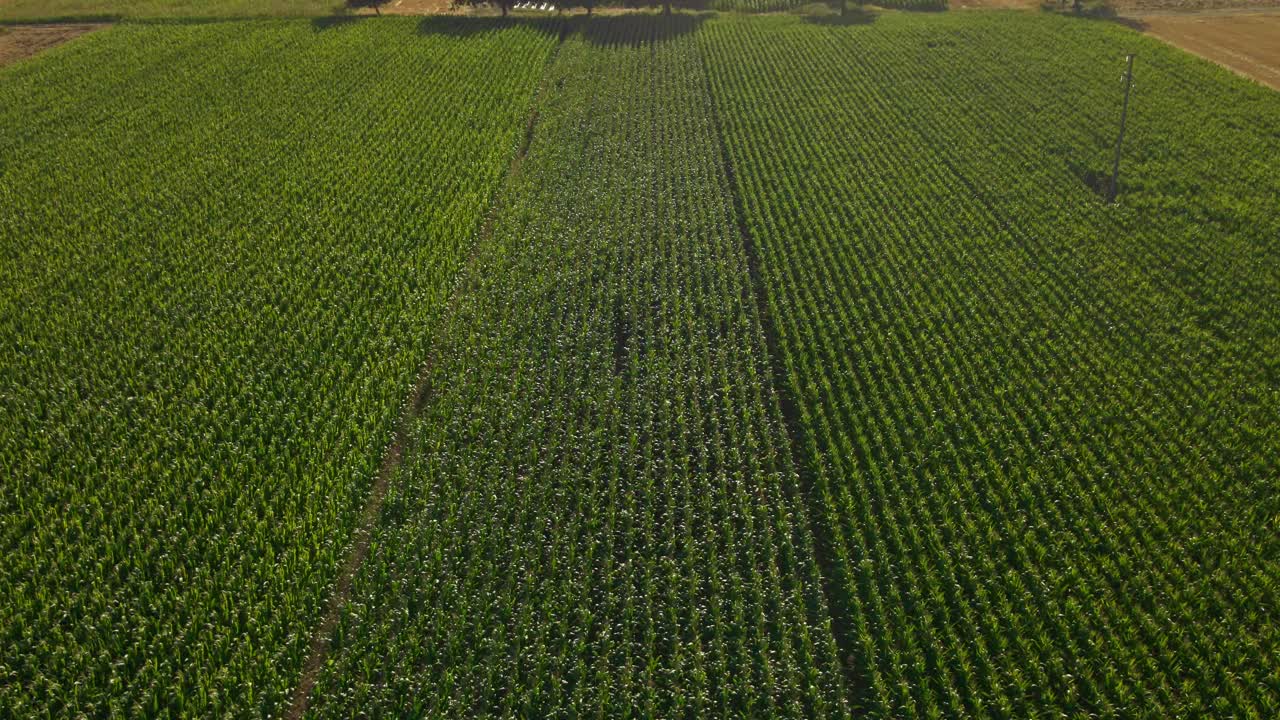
<point x="210" y="19"/>
<point x="329" y="22"/>
<point x="1132" y="23"/>
<point x="630" y="29"/>
<point x="853" y="16"/>
<point x="60" y="19"/>
<point x="676" y="5"/>
<point x="375" y="5"/>
<point x="464" y="26"/>
<point x="638" y="29"/>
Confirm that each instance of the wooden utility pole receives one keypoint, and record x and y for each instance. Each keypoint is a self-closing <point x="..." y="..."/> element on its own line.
<point x="1124" y="112"/>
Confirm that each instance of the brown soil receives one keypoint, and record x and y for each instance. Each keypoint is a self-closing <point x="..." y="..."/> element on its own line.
<point x="22" y="41"/>
<point x="1131" y="7"/>
<point x="1240" y="35"/>
<point x="994" y="4"/>
<point x="1246" y="42"/>
<point x="417" y="7"/>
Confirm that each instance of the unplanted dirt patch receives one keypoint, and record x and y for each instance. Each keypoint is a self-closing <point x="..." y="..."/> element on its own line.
<point x="995" y="4"/>
<point x="1248" y="43"/>
<point x="417" y="7"/>
<point x="21" y="41"/>
<point x="1126" y="7"/>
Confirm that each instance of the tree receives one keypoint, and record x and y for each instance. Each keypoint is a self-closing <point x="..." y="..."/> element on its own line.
<point x="844" y="7"/>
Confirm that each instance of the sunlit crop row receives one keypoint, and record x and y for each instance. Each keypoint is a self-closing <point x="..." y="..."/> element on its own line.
<point x="598" y="517"/>
<point x="1044" y="431"/>
<point x="224" y="250"/>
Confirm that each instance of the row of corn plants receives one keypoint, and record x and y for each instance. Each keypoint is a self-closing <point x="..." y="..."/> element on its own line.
<point x="1043" y="430"/>
<point x="598" y="515"/>
<point x="225" y="247"/>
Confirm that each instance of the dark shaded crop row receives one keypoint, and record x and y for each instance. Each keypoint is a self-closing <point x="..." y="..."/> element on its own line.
<point x="598" y="516"/>
<point x="1043" y="430"/>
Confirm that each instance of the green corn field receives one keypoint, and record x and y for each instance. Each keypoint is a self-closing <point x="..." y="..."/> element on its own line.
<point x="637" y="366"/>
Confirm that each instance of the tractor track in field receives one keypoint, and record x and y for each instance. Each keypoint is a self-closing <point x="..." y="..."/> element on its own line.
<point x="393" y="458"/>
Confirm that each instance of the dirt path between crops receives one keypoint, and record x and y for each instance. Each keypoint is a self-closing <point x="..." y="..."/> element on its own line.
<point x="417" y="7"/>
<point x="1247" y="42"/>
<point x="994" y="4"/>
<point x="23" y="41"/>
<point x="321" y="638"/>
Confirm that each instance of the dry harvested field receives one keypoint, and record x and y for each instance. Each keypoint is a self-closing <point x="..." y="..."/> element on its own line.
<point x="1248" y="43"/>
<point x="23" y="41"/>
<point x="1127" y="7"/>
<point x="1242" y="37"/>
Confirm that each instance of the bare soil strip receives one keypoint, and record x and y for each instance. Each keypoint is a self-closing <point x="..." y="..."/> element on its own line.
<point x="1248" y="44"/>
<point x="342" y="591"/>
<point x="417" y="7"/>
<point x="1184" y="7"/>
<point x="394" y="456"/>
<point x="22" y="41"/>
<point x="994" y="4"/>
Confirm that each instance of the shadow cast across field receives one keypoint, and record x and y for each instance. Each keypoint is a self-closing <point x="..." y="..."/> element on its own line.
<point x="463" y="26"/>
<point x="329" y="22"/>
<point x="637" y="29"/>
<point x="1095" y="179"/>
<point x="187" y="21"/>
<point x="854" y="16"/>
<point x="100" y="18"/>
<point x="627" y="30"/>
<point x="247" y="19"/>
<point x="374" y="5"/>
<point x="1132" y="23"/>
<point x="447" y="25"/>
<point x="1088" y="10"/>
